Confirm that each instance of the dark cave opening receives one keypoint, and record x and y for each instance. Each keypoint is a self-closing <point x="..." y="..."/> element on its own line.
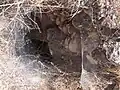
<point x="35" y="39"/>
<point x="37" y="47"/>
<point x="40" y="44"/>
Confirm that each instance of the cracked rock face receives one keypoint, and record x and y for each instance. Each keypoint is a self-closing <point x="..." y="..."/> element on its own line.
<point x="52" y="45"/>
<point x="75" y="50"/>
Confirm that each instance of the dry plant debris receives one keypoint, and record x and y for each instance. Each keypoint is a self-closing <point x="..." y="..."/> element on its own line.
<point x="59" y="45"/>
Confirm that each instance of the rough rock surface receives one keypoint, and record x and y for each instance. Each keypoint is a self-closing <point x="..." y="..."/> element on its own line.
<point x="81" y="46"/>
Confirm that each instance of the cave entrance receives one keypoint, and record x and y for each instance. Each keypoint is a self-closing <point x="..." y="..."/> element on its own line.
<point x="36" y="46"/>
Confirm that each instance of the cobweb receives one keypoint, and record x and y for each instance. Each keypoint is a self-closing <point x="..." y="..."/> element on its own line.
<point x="24" y="72"/>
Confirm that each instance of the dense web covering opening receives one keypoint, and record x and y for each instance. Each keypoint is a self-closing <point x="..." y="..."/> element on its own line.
<point x="59" y="45"/>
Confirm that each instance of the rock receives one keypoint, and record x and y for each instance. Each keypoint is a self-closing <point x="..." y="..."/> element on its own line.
<point x="82" y="19"/>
